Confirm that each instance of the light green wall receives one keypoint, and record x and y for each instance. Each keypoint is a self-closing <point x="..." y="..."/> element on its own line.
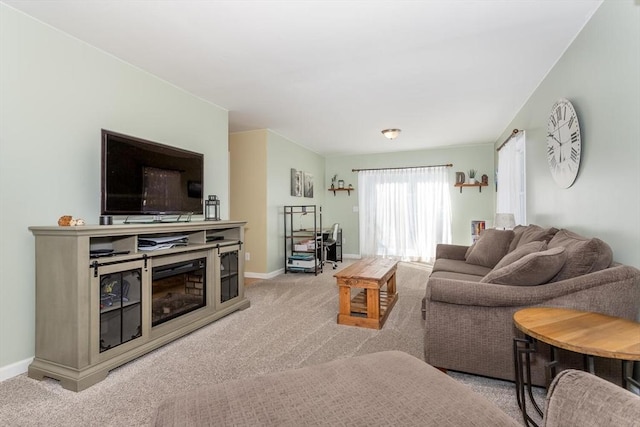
<point x="469" y="205"/>
<point x="56" y="95"/>
<point x="599" y="74"/>
<point x="282" y="156"/>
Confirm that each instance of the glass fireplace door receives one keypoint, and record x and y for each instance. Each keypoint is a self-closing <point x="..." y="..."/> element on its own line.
<point x="120" y="291"/>
<point x="229" y="278"/>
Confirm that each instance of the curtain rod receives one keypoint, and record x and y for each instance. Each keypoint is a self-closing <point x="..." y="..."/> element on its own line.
<point x="513" y="133"/>
<point x="406" y="167"/>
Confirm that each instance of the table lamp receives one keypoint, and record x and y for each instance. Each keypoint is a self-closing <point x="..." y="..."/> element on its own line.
<point x="504" y="221"/>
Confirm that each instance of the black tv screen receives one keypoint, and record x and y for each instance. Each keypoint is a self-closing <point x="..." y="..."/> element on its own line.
<point x="147" y="178"/>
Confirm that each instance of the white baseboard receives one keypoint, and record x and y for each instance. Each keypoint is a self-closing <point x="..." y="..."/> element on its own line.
<point x="263" y="276"/>
<point x="14" y="369"/>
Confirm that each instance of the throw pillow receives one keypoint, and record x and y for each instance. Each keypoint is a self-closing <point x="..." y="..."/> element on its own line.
<point x="531" y="233"/>
<point x="531" y="270"/>
<point x="520" y="251"/>
<point x="469" y="250"/>
<point x="518" y="230"/>
<point x="490" y="247"/>
<point x="584" y="255"/>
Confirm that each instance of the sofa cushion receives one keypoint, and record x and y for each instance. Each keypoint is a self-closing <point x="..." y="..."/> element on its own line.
<point x="519" y="252"/>
<point x="458" y="266"/>
<point x="531" y="270"/>
<point x="517" y="234"/>
<point x="458" y="276"/>
<point x="531" y="233"/>
<point x="490" y="247"/>
<point x="584" y="255"/>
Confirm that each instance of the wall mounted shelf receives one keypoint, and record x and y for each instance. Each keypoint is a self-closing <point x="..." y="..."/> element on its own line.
<point x="348" y="190"/>
<point x="477" y="184"/>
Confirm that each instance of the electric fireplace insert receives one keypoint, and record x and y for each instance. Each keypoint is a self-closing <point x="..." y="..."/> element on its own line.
<point x="178" y="289"/>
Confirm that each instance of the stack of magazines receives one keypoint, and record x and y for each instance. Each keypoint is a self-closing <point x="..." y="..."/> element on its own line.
<point x="164" y="242"/>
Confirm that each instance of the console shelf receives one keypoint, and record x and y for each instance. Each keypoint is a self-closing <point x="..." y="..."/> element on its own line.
<point x="102" y="301"/>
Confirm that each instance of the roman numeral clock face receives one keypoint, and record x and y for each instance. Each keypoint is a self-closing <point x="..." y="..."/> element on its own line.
<point x="563" y="143"/>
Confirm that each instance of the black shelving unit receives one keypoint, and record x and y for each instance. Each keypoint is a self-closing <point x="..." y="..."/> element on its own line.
<point x="303" y="239"/>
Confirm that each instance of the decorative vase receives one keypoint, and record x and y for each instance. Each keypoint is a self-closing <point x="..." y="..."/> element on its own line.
<point x="472" y="180"/>
<point x="340" y="184"/>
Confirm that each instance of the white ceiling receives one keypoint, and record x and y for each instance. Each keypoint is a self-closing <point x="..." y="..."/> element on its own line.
<point x="330" y="75"/>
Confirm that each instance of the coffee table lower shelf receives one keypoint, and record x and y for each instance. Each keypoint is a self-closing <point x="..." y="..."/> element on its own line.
<point x="364" y="317"/>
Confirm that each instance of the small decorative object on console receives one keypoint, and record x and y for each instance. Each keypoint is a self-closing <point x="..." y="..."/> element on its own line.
<point x="212" y="208"/>
<point x="68" y="220"/>
<point x="65" y="220"/>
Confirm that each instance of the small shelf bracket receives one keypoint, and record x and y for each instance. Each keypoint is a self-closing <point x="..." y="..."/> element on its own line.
<point x="348" y="190"/>
<point x="477" y="184"/>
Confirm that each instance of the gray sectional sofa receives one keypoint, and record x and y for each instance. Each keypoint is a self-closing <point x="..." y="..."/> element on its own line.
<point x="473" y="292"/>
<point x="387" y="388"/>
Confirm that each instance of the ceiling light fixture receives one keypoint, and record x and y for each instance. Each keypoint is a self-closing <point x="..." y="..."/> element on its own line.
<point x="391" y="133"/>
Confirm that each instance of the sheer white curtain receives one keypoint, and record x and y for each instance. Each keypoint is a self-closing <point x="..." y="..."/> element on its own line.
<point x="511" y="179"/>
<point x="404" y="213"/>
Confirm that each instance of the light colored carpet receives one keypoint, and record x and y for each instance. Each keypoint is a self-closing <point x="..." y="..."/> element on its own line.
<point x="291" y="323"/>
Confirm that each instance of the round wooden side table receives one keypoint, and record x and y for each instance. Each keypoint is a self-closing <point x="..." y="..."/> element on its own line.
<point x="590" y="334"/>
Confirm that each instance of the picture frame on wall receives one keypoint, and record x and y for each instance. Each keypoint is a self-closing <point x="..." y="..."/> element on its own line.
<point x="308" y="185"/>
<point x="296" y="183"/>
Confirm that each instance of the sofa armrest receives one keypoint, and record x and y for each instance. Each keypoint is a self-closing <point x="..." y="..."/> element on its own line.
<point x="576" y="398"/>
<point x="491" y="295"/>
<point x="444" y="250"/>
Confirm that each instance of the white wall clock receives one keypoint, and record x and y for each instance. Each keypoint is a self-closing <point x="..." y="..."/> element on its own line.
<point x="564" y="143"/>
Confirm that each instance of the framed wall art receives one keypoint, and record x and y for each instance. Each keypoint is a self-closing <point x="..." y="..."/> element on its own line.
<point x="296" y="183"/>
<point x="308" y="185"/>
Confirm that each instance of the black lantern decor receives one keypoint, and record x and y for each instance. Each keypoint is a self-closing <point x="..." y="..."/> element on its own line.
<point x="212" y="208"/>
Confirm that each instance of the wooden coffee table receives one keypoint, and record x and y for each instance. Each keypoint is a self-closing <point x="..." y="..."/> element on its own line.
<point x="371" y="306"/>
<point x="590" y="334"/>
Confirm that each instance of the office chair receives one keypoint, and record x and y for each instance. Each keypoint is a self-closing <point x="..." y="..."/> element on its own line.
<point x="326" y="244"/>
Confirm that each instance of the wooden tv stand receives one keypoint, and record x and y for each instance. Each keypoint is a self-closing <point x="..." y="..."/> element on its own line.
<point x="96" y="299"/>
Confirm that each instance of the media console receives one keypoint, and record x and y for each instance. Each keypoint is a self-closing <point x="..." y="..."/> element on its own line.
<point x="106" y="294"/>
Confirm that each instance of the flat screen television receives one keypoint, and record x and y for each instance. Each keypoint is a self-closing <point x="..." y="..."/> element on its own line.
<point x="141" y="177"/>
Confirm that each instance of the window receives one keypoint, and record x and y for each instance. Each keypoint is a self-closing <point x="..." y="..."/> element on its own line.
<point x="511" y="181"/>
<point x="404" y="213"/>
